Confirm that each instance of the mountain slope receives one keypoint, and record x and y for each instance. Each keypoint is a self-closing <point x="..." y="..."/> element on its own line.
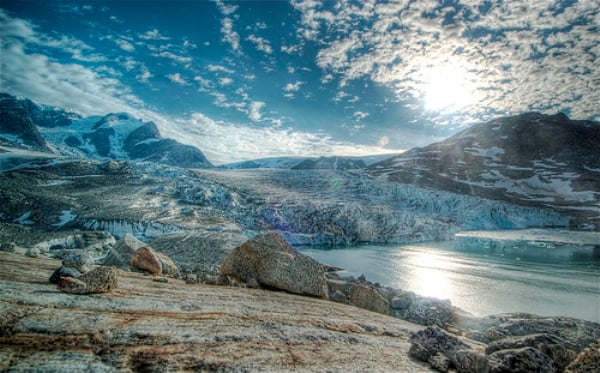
<point x="113" y="136"/>
<point x="530" y="159"/>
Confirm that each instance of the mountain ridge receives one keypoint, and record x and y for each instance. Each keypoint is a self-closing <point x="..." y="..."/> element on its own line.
<point x="119" y="136"/>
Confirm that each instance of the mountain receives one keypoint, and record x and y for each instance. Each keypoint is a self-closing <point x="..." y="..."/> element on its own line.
<point x="532" y="159"/>
<point x="113" y="136"/>
<point x="330" y="163"/>
<point x="272" y="162"/>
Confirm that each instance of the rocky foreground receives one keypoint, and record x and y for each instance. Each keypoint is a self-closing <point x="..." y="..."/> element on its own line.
<point x="145" y="325"/>
<point x="75" y="315"/>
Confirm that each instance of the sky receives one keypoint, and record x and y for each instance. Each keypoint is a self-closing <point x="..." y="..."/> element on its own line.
<point x="251" y="79"/>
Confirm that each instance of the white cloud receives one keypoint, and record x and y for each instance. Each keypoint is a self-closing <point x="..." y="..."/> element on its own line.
<point x="219" y="68"/>
<point x="260" y="43"/>
<point x="360" y="115"/>
<point x="177" y="78"/>
<point x="173" y="56"/>
<point x="153" y="35"/>
<point x="537" y="56"/>
<point x="125" y="45"/>
<point x="254" y="112"/>
<point x="225" y="81"/>
<point x="144" y="74"/>
<point x="292" y="87"/>
<point x="229" y="35"/>
<point x="225" y="8"/>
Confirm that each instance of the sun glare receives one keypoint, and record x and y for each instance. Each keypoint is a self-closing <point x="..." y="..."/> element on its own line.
<point x="447" y="88"/>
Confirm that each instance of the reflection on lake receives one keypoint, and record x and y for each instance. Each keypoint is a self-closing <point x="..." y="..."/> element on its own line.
<point x="481" y="283"/>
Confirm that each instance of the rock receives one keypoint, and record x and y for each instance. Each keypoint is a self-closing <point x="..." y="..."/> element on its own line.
<point x="120" y="255"/>
<point x="341" y="285"/>
<point x="439" y="362"/>
<point x="145" y="259"/>
<point x="191" y="278"/>
<point x="527" y="359"/>
<point x="252" y="284"/>
<point x="425" y="311"/>
<point x="469" y="361"/>
<point x="8" y="247"/>
<point x="368" y="298"/>
<point x="274" y="263"/>
<point x="550" y="345"/>
<point x="163" y="280"/>
<point x="64" y="272"/>
<point x="98" y="280"/>
<point x="338" y="296"/>
<point x="402" y="300"/>
<point x="72" y="285"/>
<point x="588" y="360"/>
<point x="81" y="261"/>
<point x="169" y="268"/>
<point x="433" y="340"/>
<point x="33" y="252"/>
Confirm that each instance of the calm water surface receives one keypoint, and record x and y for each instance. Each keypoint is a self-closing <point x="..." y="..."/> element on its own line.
<point x="479" y="283"/>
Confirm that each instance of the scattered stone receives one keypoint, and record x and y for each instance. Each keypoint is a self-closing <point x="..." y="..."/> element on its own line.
<point x="8" y="247"/>
<point x="274" y="263"/>
<point x="81" y="261"/>
<point x="439" y="362"/>
<point x="588" y="360"/>
<point x="191" y="278"/>
<point x="433" y="340"/>
<point x="72" y="285"/>
<point x="64" y="272"/>
<point x="33" y="252"/>
<point x="402" y="300"/>
<point x="426" y="311"/>
<point x="252" y="284"/>
<point x="527" y="359"/>
<point x="338" y="296"/>
<point x="550" y="345"/>
<point x="368" y="298"/>
<point x="145" y="259"/>
<point x="469" y="361"/>
<point x="161" y="279"/>
<point x="98" y="280"/>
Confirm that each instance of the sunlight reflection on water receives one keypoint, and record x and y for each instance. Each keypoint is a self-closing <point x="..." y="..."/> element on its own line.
<point x="481" y="283"/>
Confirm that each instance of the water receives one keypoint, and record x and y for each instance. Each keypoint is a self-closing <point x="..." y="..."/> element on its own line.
<point x="481" y="283"/>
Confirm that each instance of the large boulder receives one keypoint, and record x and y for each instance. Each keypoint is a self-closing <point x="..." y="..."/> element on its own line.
<point x="366" y="297"/>
<point x="146" y="259"/>
<point x="120" y="255"/>
<point x="271" y="261"/>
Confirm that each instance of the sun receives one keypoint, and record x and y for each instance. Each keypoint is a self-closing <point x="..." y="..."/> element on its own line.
<point x="447" y="88"/>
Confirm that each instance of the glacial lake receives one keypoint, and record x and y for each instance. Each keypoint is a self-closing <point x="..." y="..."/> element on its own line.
<point x="482" y="276"/>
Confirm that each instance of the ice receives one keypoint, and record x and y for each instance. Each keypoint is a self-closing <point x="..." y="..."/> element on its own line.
<point x="24" y="219"/>
<point x="66" y="216"/>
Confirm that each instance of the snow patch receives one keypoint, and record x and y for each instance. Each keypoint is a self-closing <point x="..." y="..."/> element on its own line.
<point x="24" y="219"/>
<point x="66" y="216"/>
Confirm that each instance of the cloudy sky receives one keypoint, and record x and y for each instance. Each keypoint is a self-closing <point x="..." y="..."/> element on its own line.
<point x="250" y="79"/>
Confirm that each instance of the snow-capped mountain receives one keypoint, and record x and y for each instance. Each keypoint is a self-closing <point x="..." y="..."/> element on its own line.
<point x="305" y="163"/>
<point x="531" y="159"/>
<point x="113" y="136"/>
<point x="330" y="163"/>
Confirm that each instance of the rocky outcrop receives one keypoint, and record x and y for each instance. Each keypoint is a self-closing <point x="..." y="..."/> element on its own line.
<point x="587" y="361"/>
<point x="368" y="298"/>
<point x="437" y="347"/>
<point x="271" y="261"/>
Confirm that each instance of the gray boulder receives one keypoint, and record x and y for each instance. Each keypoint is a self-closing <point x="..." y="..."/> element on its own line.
<point x="552" y="346"/>
<point x="274" y="263"/>
<point x="366" y="297"/>
<point x="429" y="343"/>
<point x="527" y="359"/>
<point x="64" y="272"/>
<point x="120" y="255"/>
<point x="81" y="261"/>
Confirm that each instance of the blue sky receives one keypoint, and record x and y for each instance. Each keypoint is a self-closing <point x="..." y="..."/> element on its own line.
<point x="250" y="79"/>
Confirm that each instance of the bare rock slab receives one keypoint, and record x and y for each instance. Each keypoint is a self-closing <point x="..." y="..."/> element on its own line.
<point x="274" y="263"/>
